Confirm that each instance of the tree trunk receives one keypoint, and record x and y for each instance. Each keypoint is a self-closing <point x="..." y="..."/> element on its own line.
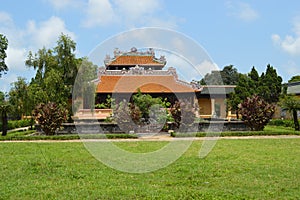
<point x="4" y="123"/>
<point x="237" y="114"/>
<point x="296" y="122"/>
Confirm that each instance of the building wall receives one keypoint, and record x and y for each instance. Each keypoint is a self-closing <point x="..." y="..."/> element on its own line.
<point x="222" y="107"/>
<point x="204" y="107"/>
<point x="208" y="107"/>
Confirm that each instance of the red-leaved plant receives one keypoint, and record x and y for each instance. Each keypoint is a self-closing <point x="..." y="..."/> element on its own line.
<point x="256" y="112"/>
<point x="50" y="116"/>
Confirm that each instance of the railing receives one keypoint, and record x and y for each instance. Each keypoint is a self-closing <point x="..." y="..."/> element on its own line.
<point x="147" y="72"/>
<point x="137" y="71"/>
<point x="95" y="114"/>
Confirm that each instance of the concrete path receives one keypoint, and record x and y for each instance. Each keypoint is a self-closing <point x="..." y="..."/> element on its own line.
<point x="160" y="138"/>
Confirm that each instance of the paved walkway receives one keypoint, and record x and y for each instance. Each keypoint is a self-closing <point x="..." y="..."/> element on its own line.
<point x="161" y="138"/>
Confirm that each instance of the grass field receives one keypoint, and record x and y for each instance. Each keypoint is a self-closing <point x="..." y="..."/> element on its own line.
<point x="235" y="169"/>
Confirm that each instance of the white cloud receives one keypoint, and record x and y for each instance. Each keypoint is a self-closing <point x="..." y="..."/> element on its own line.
<point x="99" y="13"/>
<point x="33" y="37"/>
<point x="289" y="44"/>
<point x="158" y="22"/>
<point x="207" y="67"/>
<point x="6" y="81"/>
<point x="291" y="68"/>
<point x="5" y="19"/>
<point x="16" y="58"/>
<point x="242" y="11"/>
<point x="135" y="10"/>
<point x="60" y="4"/>
<point x="128" y="13"/>
<point x="47" y="32"/>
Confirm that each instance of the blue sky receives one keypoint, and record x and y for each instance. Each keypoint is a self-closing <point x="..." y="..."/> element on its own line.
<point x="242" y="33"/>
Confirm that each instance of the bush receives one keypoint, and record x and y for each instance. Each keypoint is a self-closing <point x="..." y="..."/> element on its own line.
<point x="50" y="116"/>
<point x="282" y="122"/>
<point x="12" y="124"/>
<point x="256" y="112"/>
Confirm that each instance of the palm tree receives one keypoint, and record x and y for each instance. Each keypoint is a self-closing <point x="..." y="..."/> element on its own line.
<point x="292" y="104"/>
<point x="4" y="109"/>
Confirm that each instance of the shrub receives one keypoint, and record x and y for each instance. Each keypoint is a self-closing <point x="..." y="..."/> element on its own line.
<point x="282" y="122"/>
<point x="50" y="116"/>
<point x="256" y="112"/>
<point x="183" y="114"/>
<point x="12" y="124"/>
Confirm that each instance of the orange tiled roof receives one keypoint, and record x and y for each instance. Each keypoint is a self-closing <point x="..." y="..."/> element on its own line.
<point x="147" y="84"/>
<point x="135" y="60"/>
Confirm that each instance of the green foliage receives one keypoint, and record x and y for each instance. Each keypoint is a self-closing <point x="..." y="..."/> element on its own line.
<point x="292" y="104"/>
<point x="66" y="58"/>
<point x="56" y="72"/>
<point x="31" y="135"/>
<point x="143" y="110"/>
<point x="2" y="97"/>
<point x="282" y="122"/>
<point x="84" y="88"/>
<point x="12" y="124"/>
<point x="228" y="76"/>
<point x="256" y="112"/>
<point x="19" y="99"/>
<point x="56" y="90"/>
<point x="269" y="130"/>
<point x="294" y="79"/>
<point x="268" y="86"/>
<point x="122" y="115"/>
<point x="183" y="115"/>
<point x="109" y="103"/>
<point x="3" y="48"/>
<point x="50" y="116"/>
<point x="144" y="102"/>
<point x="244" y="89"/>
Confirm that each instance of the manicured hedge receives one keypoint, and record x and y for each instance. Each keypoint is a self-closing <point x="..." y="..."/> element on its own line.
<point x="12" y="124"/>
<point x="282" y="122"/>
<point x="269" y="130"/>
<point x="29" y="135"/>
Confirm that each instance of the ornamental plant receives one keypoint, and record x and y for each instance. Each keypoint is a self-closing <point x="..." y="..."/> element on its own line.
<point x="183" y="114"/>
<point x="50" y="116"/>
<point x="256" y="112"/>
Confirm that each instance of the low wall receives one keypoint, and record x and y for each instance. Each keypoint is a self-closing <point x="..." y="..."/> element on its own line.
<point x="223" y="126"/>
<point x="106" y="127"/>
<point x="71" y="128"/>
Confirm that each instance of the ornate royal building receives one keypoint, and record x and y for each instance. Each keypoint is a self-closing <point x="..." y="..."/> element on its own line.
<point x="126" y="73"/>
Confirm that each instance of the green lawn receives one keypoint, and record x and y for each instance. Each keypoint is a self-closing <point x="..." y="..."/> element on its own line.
<point x="235" y="169"/>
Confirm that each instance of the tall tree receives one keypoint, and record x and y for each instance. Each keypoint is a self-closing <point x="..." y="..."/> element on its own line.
<point x="270" y="85"/>
<point x="56" y="72"/>
<point x="244" y="88"/>
<point x="4" y="109"/>
<point x="84" y="85"/>
<point x="18" y="98"/>
<point x="230" y="75"/>
<point x="254" y="76"/>
<point x="3" y="48"/>
<point x="42" y="61"/>
<point x="66" y="58"/>
<point x="227" y="76"/>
